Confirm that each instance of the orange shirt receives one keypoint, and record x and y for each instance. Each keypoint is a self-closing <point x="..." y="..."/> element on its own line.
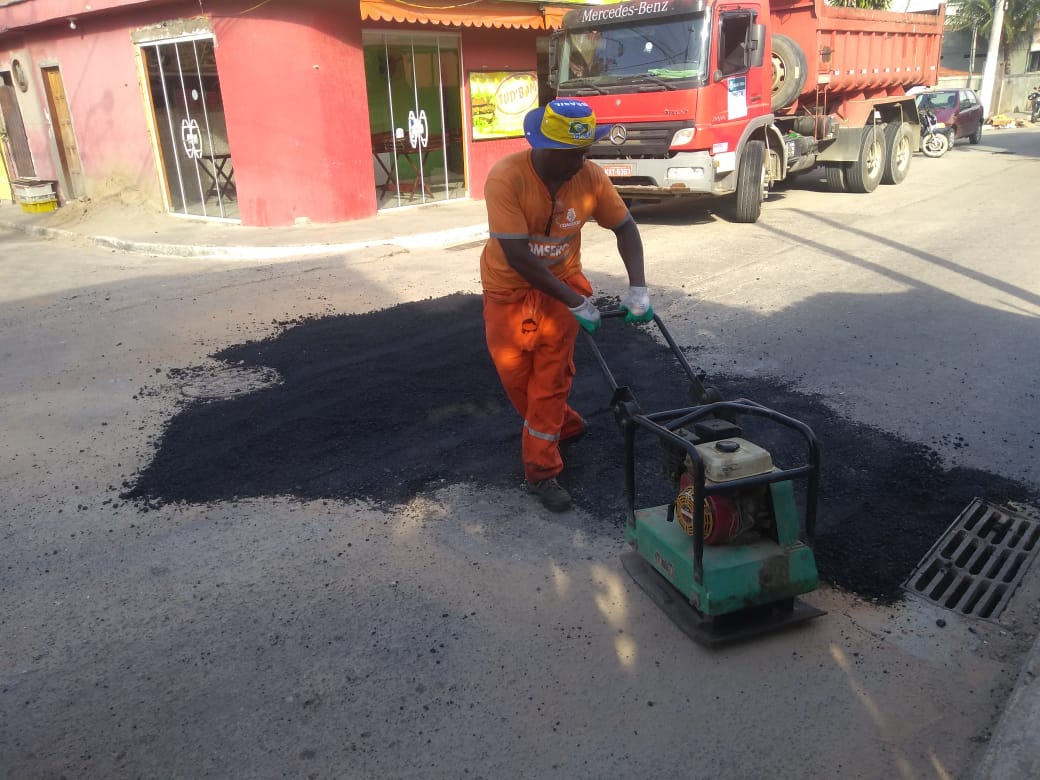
<point x="519" y="206"/>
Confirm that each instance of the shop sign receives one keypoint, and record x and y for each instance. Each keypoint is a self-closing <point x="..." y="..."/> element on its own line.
<point x="499" y="100"/>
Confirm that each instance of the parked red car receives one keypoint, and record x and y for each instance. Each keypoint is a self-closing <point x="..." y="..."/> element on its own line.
<point x="958" y="109"/>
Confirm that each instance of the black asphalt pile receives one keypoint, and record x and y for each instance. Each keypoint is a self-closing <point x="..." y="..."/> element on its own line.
<point x="382" y="406"/>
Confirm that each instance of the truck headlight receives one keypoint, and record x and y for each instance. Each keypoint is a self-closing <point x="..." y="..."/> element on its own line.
<point x="684" y="136"/>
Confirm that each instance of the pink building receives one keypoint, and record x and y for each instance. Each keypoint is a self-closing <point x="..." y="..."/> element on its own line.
<point x="264" y="112"/>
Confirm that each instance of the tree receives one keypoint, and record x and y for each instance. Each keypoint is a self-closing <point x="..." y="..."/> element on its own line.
<point x="877" y="5"/>
<point x="1020" y="18"/>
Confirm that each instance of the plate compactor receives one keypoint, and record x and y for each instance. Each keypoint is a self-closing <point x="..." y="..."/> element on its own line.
<point x="729" y="556"/>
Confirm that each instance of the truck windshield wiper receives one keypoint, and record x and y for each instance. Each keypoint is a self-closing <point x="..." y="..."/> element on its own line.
<point x="585" y="85"/>
<point x="655" y="80"/>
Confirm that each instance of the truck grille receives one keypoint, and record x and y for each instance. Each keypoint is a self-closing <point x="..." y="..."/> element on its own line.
<point x="646" y="140"/>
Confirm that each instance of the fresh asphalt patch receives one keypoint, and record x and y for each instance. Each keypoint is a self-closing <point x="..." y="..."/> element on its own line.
<point x="382" y="406"/>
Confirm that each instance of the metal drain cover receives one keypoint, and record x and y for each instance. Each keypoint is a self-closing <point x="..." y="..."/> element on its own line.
<point x="216" y="382"/>
<point x="976" y="565"/>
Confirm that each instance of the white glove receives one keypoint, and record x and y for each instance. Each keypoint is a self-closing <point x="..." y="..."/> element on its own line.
<point x="637" y="303"/>
<point x="587" y="315"/>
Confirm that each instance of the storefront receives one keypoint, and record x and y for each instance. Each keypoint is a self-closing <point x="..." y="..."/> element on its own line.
<point x="270" y="114"/>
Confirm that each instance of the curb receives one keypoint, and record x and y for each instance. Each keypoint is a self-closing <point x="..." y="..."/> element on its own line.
<point x="437" y="239"/>
<point x="1013" y="752"/>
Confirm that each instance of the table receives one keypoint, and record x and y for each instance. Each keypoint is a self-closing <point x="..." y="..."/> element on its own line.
<point x="218" y="169"/>
<point x="413" y="157"/>
<point x="416" y="172"/>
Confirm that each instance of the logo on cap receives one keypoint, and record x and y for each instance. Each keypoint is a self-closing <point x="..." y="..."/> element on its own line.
<point x="579" y="131"/>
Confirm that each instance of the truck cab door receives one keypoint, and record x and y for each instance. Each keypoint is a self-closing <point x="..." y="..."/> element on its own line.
<point x="737" y="89"/>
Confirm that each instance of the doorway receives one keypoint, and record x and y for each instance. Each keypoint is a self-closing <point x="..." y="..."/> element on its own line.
<point x="415" y="110"/>
<point x="190" y="127"/>
<point x="14" y="144"/>
<point x="64" y="136"/>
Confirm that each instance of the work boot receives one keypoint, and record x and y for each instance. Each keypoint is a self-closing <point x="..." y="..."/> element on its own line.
<point x="552" y="494"/>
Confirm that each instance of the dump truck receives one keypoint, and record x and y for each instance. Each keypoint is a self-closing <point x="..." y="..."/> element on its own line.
<point x="724" y="98"/>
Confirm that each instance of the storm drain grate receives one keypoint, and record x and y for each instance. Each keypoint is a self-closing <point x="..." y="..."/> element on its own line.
<point x="467" y="245"/>
<point x="976" y="565"/>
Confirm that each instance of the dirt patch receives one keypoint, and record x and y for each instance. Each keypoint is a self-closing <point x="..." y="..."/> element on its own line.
<point x="385" y="405"/>
<point x="113" y="205"/>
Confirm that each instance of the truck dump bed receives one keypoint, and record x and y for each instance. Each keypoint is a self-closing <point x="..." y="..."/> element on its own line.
<point x="861" y="53"/>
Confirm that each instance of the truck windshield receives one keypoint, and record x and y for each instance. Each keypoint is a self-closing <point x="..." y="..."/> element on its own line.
<point x="652" y="54"/>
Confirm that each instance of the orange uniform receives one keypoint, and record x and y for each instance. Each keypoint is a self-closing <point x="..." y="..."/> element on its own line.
<point x="530" y="335"/>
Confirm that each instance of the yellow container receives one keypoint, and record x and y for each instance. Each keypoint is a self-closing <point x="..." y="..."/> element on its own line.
<point x="39" y="206"/>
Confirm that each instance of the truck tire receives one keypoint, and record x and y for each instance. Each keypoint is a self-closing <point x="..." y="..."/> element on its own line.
<point x="751" y="183"/>
<point x="789" y="71"/>
<point x="899" y="142"/>
<point x="864" y="175"/>
<point x="835" y="177"/>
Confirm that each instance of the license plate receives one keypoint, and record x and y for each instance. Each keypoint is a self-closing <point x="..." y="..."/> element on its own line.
<point x="617" y="170"/>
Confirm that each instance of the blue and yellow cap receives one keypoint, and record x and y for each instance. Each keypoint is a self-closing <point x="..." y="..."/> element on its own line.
<point x="565" y="123"/>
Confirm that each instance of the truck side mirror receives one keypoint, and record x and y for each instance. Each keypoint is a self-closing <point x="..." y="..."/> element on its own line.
<point x="756" y="45"/>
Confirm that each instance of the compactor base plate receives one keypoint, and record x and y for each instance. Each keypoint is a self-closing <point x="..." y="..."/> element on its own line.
<point x="722" y="629"/>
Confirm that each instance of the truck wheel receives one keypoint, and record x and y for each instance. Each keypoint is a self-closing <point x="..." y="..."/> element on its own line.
<point x="789" y="71"/>
<point x="835" y="177"/>
<point x="864" y="174"/>
<point x="751" y="183"/>
<point x="899" y="141"/>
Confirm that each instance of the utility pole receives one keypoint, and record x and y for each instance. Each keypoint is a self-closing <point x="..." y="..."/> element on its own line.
<point x="971" y="61"/>
<point x="989" y="73"/>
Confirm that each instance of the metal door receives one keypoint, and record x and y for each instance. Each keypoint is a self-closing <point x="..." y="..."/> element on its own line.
<point x="61" y="122"/>
<point x="415" y="109"/>
<point x="190" y="127"/>
<point x="12" y="133"/>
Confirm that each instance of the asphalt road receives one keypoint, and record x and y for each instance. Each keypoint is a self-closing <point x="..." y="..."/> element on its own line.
<point x="465" y="632"/>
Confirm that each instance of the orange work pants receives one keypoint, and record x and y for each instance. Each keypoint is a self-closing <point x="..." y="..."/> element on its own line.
<point x="531" y="340"/>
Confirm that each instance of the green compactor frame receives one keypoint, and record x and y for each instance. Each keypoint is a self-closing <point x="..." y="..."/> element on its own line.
<point x="729" y="557"/>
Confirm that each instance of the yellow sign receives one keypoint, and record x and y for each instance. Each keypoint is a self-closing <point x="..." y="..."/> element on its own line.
<point x="499" y="101"/>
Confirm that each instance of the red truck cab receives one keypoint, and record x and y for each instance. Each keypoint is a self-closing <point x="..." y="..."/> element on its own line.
<point x="709" y="98"/>
<point x="680" y="80"/>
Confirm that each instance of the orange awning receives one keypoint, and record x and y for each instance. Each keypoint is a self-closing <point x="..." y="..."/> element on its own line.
<point x="475" y="13"/>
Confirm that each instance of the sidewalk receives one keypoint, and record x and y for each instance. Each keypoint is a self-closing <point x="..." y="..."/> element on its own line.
<point x="1013" y="752"/>
<point x="132" y="229"/>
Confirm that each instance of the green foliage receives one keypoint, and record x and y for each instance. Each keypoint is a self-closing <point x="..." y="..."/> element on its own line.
<point x="877" y="5"/>
<point x="1020" y="18"/>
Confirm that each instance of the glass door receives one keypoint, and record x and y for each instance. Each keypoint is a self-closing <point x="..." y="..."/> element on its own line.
<point x="415" y="109"/>
<point x="190" y="126"/>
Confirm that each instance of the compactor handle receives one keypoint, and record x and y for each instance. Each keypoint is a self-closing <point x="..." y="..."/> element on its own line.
<point x="699" y="394"/>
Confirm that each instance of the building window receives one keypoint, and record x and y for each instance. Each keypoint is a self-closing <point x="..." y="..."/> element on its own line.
<point x="1034" y="61"/>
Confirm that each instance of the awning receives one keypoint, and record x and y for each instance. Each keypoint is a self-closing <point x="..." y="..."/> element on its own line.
<point x="475" y="13"/>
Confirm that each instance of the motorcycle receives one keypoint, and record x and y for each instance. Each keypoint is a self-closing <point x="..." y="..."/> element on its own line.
<point x="1034" y="99"/>
<point x="934" y="138"/>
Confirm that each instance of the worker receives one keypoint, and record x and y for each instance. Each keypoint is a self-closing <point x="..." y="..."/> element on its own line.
<point x="535" y="294"/>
